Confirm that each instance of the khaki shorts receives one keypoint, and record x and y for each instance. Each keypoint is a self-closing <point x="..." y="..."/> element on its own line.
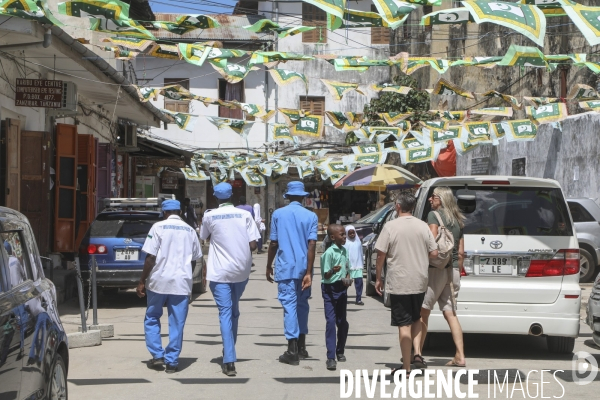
<point x="438" y="289"/>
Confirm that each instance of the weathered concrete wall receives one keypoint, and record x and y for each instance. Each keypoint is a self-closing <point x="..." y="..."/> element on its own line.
<point x="569" y="155"/>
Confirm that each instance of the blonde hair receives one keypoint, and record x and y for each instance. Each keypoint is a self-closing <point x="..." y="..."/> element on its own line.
<point x="449" y="207"/>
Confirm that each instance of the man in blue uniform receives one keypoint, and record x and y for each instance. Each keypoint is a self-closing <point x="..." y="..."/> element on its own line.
<point x="293" y="241"/>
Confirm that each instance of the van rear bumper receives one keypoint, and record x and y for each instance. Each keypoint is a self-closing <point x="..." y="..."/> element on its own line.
<point x="557" y="319"/>
<point x="115" y="278"/>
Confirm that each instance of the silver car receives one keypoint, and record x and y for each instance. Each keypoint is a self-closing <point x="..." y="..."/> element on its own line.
<point x="593" y="311"/>
<point x="586" y="216"/>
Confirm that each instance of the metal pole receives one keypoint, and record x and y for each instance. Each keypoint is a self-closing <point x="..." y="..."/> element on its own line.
<point x="94" y="292"/>
<point x="80" y="290"/>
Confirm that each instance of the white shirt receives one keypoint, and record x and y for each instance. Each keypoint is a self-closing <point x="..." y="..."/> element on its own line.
<point x="231" y="230"/>
<point x="175" y="245"/>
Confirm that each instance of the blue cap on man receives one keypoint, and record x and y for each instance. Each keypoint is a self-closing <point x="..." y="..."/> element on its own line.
<point x="223" y="191"/>
<point x="295" y="188"/>
<point x="170" y="205"/>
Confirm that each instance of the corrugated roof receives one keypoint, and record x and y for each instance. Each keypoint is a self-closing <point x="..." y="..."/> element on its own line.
<point x="231" y="29"/>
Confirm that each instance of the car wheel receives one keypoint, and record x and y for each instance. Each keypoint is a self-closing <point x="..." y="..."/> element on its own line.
<point x="369" y="286"/>
<point x="560" y="344"/>
<point x="586" y="266"/>
<point x="57" y="387"/>
<point x="596" y="338"/>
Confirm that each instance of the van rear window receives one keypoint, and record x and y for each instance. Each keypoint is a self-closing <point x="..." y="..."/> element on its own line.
<point x="516" y="211"/>
<point x="123" y="226"/>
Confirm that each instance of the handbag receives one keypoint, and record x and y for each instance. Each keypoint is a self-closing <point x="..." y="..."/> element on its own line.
<point x="445" y="243"/>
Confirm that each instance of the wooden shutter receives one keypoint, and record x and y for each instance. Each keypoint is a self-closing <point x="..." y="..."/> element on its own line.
<point x="66" y="188"/>
<point x="315" y="105"/>
<point x="314" y="16"/>
<point x="35" y="186"/>
<point x="86" y="178"/>
<point x="13" y="164"/>
<point x="379" y="35"/>
<point x="176" y="105"/>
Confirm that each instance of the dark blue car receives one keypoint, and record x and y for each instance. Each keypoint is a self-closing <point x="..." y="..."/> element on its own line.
<point x="116" y="238"/>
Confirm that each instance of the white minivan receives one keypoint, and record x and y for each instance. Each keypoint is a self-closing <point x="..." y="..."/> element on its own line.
<point x="521" y="271"/>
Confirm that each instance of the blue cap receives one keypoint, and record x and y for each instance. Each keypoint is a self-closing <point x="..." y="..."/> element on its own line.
<point x="223" y="191"/>
<point x="295" y="188"/>
<point x="170" y="205"/>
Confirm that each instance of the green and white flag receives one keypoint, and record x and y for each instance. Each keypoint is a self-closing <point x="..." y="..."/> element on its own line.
<point x="239" y="126"/>
<point x="345" y="122"/>
<point x="383" y="134"/>
<point x="217" y="53"/>
<point x="494" y="111"/>
<point x="291" y="116"/>
<point x="477" y="132"/>
<point x="442" y="136"/>
<point x="394" y="118"/>
<point x="131" y="43"/>
<point x="593" y="105"/>
<point x="218" y="177"/>
<point x="233" y="73"/>
<point x="334" y="170"/>
<point x="449" y="16"/>
<point x="464" y="147"/>
<point x="513" y="101"/>
<point x="548" y="113"/>
<point x="339" y="89"/>
<point x="105" y="9"/>
<point x="146" y="93"/>
<point x="252" y="177"/>
<point x="585" y="18"/>
<point x="497" y="133"/>
<point x="419" y="155"/>
<point x="177" y="92"/>
<point x="364" y="159"/>
<point x="335" y="7"/>
<point x="311" y="125"/>
<point x="409" y="143"/>
<point x="183" y="120"/>
<point x="120" y="27"/>
<point x="550" y="8"/>
<point x="187" y="23"/>
<point x="540" y="101"/>
<point x="257" y="111"/>
<point x="524" y="56"/>
<point x="416" y="63"/>
<point x="31" y="10"/>
<point x="481" y="62"/>
<point x="582" y="92"/>
<point x="424" y="139"/>
<point x="386" y="87"/>
<point x="436" y="124"/>
<point x="445" y="88"/>
<point x="279" y="132"/>
<point x="395" y="12"/>
<point x="193" y="53"/>
<point x="522" y="130"/>
<point x="304" y="166"/>
<point x="525" y="19"/>
<point x="368" y="148"/>
<point x="358" y="64"/>
<point x="356" y="19"/>
<point x="266" y="25"/>
<point x="166" y="51"/>
<point x="284" y="77"/>
<point x="263" y="57"/>
<point x="450" y="116"/>
<point x="195" y="175"/>
<point x="362" y="135"/>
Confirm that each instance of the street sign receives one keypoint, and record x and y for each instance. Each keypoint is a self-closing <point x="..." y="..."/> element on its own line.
<point x="39" y="93"/>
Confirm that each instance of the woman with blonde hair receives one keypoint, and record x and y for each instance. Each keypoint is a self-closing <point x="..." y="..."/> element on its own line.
<point x="444" y="284"/>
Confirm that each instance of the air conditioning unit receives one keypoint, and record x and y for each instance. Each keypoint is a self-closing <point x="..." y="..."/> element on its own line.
<point x="131" y="135"/>
<point x="69" y="97"/>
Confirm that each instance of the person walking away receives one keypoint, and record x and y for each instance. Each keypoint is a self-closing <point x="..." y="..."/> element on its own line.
<point x="260" y="224"/>
<point x="406" y="244"/>
<point x="233" y="235"/>
<point x="445" y="212"/>
<point x="189" y="214"/>
<point x="356" y="259"/>
<point x="293" y="240"/>
<point x="334" y="288"/>
<point x="171" y="248"/>
<point x="245" y="206"/>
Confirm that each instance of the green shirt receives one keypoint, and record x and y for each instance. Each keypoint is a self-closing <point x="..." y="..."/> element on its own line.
<point x="334" y="256"/>
<point x="454" y="228"/>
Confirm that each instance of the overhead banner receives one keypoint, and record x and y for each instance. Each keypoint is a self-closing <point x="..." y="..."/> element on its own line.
<point x="585" y="18"/>
<point x="284" y="77"/>
<point x="396" y="12"/>
<point x="548" y="113"/>
<point x="520" y="130"/>
<point x="339" y="89"/>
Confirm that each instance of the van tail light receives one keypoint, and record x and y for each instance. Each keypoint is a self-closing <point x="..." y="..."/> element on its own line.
<point x="97" y="249"/>
<point x="564" y="262"/>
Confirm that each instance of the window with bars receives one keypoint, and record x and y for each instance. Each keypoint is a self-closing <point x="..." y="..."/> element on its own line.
<point x="314" y="16"/>
<point x="379" y="35"/>
<point x="182" y="106"/>
<point x="315" y="105"/>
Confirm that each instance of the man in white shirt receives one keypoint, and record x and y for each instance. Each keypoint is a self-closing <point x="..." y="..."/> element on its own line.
<point x="233" y="235"/>
<point x="172" y="249"/>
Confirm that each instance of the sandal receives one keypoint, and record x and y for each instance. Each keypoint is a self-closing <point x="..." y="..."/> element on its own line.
<point x="419" y="361"/>
<point x="453" y="363"/>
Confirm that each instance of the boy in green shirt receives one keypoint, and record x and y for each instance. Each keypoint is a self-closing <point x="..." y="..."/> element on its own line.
<point x="336" y="279"/>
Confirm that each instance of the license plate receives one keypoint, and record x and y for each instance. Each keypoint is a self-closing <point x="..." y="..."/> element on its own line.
<point x="495" y="266"/>
<point x="126" y="254"/>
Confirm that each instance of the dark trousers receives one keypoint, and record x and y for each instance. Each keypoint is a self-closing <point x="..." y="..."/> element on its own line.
<point x="335" y="298"/>
<point x="358" y="284"/>
<point x="260" y="242"/>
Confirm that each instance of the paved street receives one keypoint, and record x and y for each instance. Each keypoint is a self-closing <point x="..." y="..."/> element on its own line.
<point x="117" y="370"/>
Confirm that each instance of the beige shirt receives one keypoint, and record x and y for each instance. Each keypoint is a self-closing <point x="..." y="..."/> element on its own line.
<point x="407" y="242"/>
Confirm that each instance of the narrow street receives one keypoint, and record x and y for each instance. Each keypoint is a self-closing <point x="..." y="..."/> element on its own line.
<point x="117" y="369"/>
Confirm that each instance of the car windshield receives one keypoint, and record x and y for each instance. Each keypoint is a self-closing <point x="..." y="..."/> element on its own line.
<point x="376" y="216"/>
<point x="123" y="225"/>
<point x="516" y="211"/>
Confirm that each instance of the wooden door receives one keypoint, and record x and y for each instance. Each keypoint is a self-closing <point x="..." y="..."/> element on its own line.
<point x="86" y="178"/>
<point x="35" y="185"/>
<point x="66" y="188"/>
<point x="13" y="163"/>
<point x="104" y="171"/>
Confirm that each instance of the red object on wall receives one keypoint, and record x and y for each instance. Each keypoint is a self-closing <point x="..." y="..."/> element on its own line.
<point x="446" y="161"/>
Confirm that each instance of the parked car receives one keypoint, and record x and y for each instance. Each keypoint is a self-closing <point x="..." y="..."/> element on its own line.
<point x="593" y="311"/>
<point x="116" y="239"/>
<point x="364" y="225"/>
<point x="524" y="226"/>
<point x="586" y="217"/>
<point x="34" y="354"/>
